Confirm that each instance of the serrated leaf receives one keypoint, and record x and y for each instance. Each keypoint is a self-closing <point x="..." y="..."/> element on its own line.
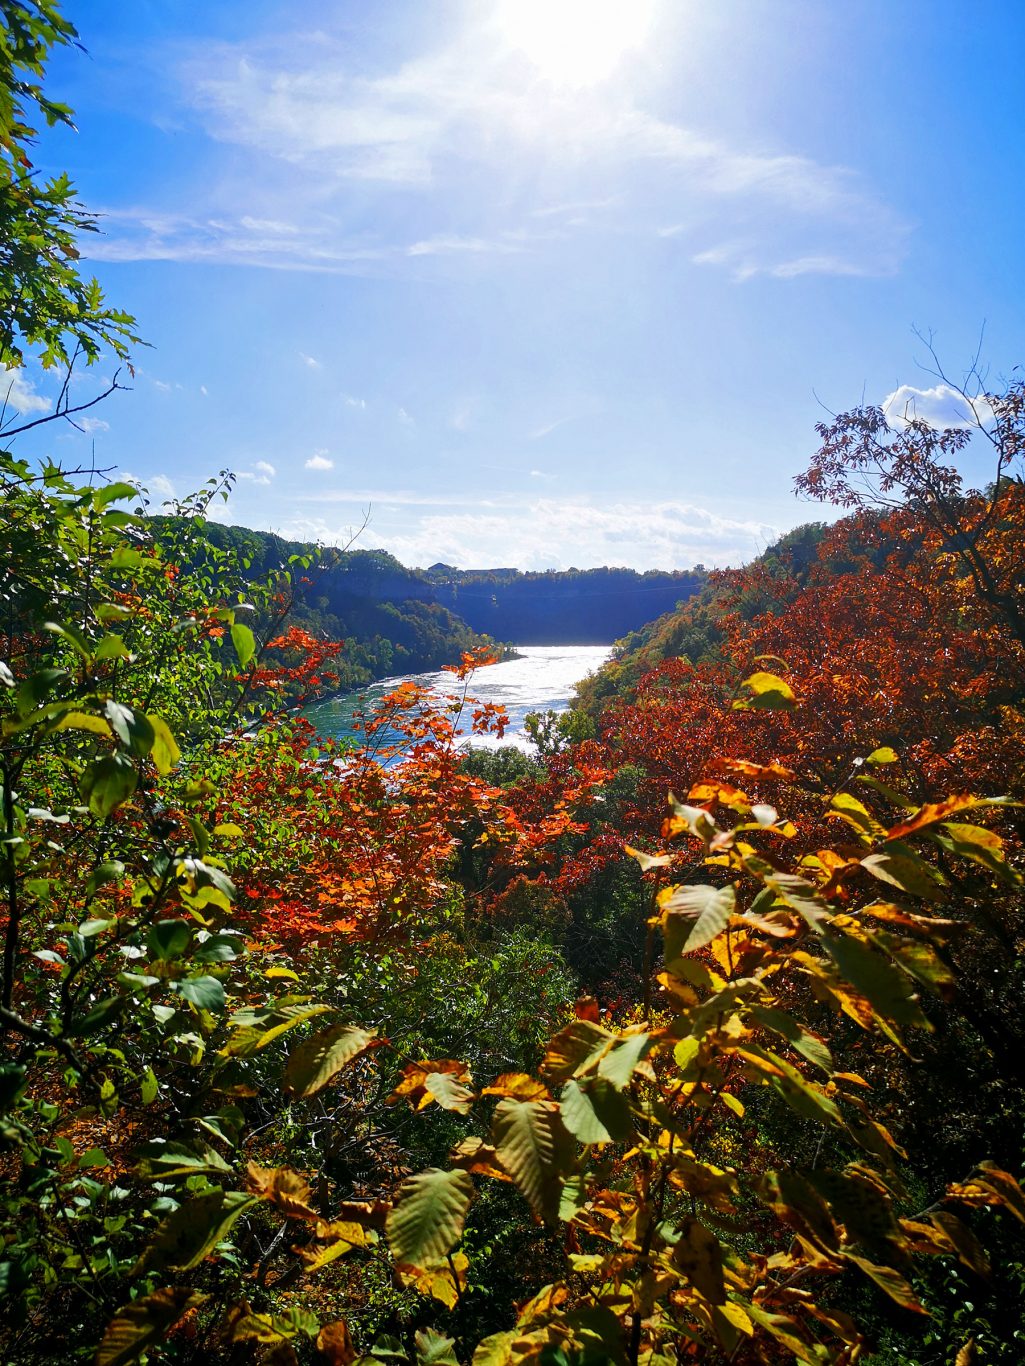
<point x="313" y="1064"/>
<point x="908" y="871"/>
<point x="886" y="988"/>
<point x="692" y="916"/>
<point x="576" y="1050"/>
<point x="428" y="1217"/>
<point x="533" y="1147"/>
<point x="620" y="1062"/>
<point x="892" y="1282"/>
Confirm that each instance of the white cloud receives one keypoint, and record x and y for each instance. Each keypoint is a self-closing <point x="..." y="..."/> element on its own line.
<point x="17" y="391"/>
<point x="162" y="385"/>
<point x="405" y="419"/>
<point x="545" y="533"/>
<point x="310" y="361"/>
<point x="352" y="402"/>
<point x="203" y="390"/>
<point x="261" y="472"/>
<point x="159" y="483"/>
<point x="319" y="461"/>
<point x="940" y="407"/>
<point x="90" y="425"/>
<point x="450" y="123"/>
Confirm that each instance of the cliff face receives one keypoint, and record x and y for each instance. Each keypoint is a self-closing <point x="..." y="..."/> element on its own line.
<point x="591" y="607"/>
<point x="566" y="607"/>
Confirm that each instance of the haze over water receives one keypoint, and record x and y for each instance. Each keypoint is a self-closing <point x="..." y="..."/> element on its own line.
<point x="541" y="679"/>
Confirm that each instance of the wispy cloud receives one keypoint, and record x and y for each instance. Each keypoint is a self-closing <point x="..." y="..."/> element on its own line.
<point x="449" y="245"/>
<point x="261" y="472"/>
<point x="541" y="432"/>
<point x="448" y="125"/>
<point x="310" y="361"/>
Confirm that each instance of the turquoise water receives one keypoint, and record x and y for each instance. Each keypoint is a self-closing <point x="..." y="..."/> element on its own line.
<point x="541" y="679"/>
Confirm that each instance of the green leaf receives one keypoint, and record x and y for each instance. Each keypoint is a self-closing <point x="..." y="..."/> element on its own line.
<point x="192" y="1231"/>
<point x="593" y="1111"/>
<point x="313" y="1064"/>
<point x="886" y="988"/>
<point x="131" y="727"/>
<point x="693" y="916"/>
<point x="808" y="1045"/>
<point x="279" y="1018"/>
<point x="112" y="647"/>
<point x="534" y="1148"/>
<point x="883" y="755"/>
<point x="144" y="1323"/>
<point x="619" y="1064"/>
<point x="104" y="873"/>
<point x="161" y="1160"/>
<point x="114" y="493"/>
<point x="579" y="1117"/>
<point x="107" y="783"/>
<point x="434" y="1350"/>
<point x="149" y="1087"/>
<point x="244" y="642"/>
<point x="427" y="1220"/>
<point x="168" y="939"/>
<point x="205" y="992"/>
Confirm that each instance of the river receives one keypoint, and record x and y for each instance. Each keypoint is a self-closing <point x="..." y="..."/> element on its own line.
<point x="542" y="678"/>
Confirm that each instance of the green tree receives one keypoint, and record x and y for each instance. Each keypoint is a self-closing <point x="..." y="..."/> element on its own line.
<point x="48" y="311"/>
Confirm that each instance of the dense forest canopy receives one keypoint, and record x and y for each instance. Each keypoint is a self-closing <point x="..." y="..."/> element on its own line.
<point x="695" y="1037"/>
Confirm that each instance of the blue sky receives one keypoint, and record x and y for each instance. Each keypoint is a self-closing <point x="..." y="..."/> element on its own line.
<point x="536" y="282"/>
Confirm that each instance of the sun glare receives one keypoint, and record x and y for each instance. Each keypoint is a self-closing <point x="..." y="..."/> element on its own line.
<point x="575" y="42"/>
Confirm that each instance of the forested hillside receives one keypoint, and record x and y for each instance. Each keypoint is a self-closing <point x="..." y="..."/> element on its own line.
<point x="358" y="592"/>
<point x="695" y="1040"/>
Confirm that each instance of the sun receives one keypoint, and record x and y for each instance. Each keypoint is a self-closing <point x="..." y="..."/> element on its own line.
<point x="575" y="42"/>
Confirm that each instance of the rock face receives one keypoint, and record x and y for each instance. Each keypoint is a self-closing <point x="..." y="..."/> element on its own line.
<point x="569" y="607"/>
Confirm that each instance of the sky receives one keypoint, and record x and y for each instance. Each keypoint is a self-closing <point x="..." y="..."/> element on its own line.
<point x="545" y="283"/>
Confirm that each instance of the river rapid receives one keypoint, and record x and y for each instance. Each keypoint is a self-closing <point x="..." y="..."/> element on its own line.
<point x="542" y="678"/>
